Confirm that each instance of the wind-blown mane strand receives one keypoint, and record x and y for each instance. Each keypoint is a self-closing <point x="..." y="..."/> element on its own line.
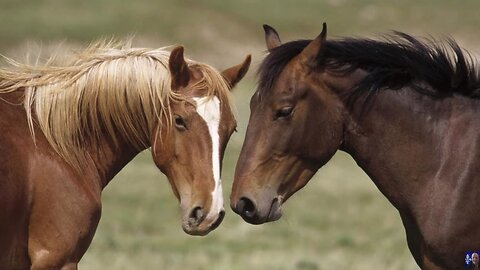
<point x="394" y="61"/>
<point x="124" y="92"/>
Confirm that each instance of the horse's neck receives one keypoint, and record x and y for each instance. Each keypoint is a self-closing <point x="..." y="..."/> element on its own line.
<point x="109" y="159"/>
<point x="407" y="142"/>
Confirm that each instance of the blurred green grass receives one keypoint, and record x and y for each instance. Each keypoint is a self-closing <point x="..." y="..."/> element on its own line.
<point x="339" y="220"/>
<point x="178" y="19"/>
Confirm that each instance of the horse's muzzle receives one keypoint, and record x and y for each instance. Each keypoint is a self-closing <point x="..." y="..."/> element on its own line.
<point x="197" y="224"/>
<point x="251" y="213"/>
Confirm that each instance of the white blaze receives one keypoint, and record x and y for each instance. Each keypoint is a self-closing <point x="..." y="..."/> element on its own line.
<point x="209" y="110"/>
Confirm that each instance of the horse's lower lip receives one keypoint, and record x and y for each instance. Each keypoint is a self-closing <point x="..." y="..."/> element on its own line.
<point x="204" y="227"/>
<point x="196" y="230"/>
<point x="217" y="222"/>
<point x="275" y="210"/>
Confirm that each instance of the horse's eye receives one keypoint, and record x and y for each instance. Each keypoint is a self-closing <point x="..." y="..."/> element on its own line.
<point x="180" y="123"/>
<point x="284" y="112"/>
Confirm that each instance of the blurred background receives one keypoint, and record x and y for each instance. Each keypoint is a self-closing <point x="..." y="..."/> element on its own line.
<point x="338" y="221"/>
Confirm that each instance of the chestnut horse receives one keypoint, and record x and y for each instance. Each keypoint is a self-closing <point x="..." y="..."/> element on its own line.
<point x="406" y="110"/>
<point x="67" y="130"/>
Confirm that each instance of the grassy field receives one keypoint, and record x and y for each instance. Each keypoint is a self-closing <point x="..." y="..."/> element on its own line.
<point x="338" y="221"/>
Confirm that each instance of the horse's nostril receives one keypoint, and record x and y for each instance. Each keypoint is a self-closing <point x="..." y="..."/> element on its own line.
<point x="246" y="207"/>
<point x="196" y="216"/>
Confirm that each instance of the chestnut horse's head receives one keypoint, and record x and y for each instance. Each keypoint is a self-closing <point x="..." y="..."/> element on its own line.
<point x="190" y="153"/>
<point x="295" y="126"/>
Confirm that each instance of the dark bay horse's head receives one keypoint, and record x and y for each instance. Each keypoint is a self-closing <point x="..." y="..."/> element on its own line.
<point x="295" y="126"/>
<point x="190" y="153"/>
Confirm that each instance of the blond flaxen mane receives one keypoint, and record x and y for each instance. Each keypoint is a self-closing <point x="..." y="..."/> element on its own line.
<point x="108" y="88"/>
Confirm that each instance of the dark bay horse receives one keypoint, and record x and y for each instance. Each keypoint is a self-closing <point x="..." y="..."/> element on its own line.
<point x="67" y="130"/>
<point x="407" y="111"/>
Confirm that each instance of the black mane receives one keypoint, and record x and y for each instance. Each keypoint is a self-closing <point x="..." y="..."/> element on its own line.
<point x="431" y="67"/>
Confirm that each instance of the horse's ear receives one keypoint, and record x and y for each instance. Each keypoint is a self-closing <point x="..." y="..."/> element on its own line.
<point x="234" y="74"/>
<point x="178" y="68"/>
<point x="314" y="50"/>
<point x="271" y="37"/>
